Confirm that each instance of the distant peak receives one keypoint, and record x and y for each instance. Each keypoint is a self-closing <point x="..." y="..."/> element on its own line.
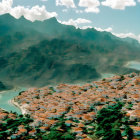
<point x="53" y="19"/>
<point x="7" y="15"/>
<point x="22" y="17"/>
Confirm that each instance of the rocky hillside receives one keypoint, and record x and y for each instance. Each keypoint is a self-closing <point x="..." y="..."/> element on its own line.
<point x="43" y="53"/>
<point x="4" y="86"/>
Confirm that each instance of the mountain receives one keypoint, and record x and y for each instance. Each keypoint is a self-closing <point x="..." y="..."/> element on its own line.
<point x="39" y="53"/>
<point x="4" y="86"/>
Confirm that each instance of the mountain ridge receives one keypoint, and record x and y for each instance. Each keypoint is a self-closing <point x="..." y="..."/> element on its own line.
<point x="54" y="20"/>
<point x="40" y="53"/>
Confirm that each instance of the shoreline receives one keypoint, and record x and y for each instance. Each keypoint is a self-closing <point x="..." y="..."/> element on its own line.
<point x="131" y="64"/>
<point x="4" y="110"/>
<point x="10" y="100"/>
<point x="22" y="109"/>
<point x="2" y="92"/>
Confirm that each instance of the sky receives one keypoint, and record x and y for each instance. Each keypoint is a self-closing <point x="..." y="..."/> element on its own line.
<point x="120" y="17"/>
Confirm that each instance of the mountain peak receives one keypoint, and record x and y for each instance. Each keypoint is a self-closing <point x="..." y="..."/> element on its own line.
<point x="7" y="16"/>
<point x="51" y="20"/>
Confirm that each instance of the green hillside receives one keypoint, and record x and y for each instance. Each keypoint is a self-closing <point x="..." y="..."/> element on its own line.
<point x="40" y="53"/>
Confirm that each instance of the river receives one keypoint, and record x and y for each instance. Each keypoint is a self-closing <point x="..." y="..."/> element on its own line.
<point x="133" y="64"/>
<point x="5" y="98"/>
<point x="106" y="75"/>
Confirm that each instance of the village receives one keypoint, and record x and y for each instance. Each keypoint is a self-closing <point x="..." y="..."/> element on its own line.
<point x="77" y="104"/>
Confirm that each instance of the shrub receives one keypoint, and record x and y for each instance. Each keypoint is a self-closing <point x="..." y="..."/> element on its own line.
<point x="109" y="122"/>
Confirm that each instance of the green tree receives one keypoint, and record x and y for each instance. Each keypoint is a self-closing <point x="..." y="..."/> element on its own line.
<point x="109" y="122"/>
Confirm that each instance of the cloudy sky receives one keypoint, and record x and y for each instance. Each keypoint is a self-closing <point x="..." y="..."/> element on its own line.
<point x="121" y="17"/>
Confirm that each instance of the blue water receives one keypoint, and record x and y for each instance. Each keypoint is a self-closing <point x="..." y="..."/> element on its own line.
<point x="134" y="65"/>
<point x="107" y="75"/>
<point x="5" y="98"/>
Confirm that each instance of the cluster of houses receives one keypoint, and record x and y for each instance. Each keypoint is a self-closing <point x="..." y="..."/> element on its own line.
<point x="78" y="104"/>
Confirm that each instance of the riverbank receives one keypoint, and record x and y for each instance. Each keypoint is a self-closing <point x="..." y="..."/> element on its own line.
<point x="22" y="109"/>
<point x="3" y="110"/>
<point x="6" y="103"/>
<point x="133" y="64"/>
<point x="1" y="92"/>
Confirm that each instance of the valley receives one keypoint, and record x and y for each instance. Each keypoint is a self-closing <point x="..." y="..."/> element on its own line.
<point x="61" y="82"/>
<point x="55" y="53"/>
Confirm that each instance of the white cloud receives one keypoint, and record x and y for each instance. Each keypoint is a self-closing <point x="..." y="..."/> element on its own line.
<point x="138" y="0"/>
<point x="86" y="27"/>
<point x="67" y="3"/>
<point x="109" y="29"/>
<point x="78" y="11"/>
<point x="76" y="22"/>
<point x="118" y="4"/>
<point x="120" y="35"/>
<point x="5" y="6"/>
<point x="90" y="5"/>
<point x="124" y="35"/>
<point x="34" y="13"/>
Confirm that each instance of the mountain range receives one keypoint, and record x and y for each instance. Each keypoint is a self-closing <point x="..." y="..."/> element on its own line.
<point x="43" y="53"/>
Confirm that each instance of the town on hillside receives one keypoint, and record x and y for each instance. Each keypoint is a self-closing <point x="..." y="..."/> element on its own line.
<point x="72" y="110"/>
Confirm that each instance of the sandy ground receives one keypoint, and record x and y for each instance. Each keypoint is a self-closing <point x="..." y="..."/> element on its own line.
<point x="22" y="108"/>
